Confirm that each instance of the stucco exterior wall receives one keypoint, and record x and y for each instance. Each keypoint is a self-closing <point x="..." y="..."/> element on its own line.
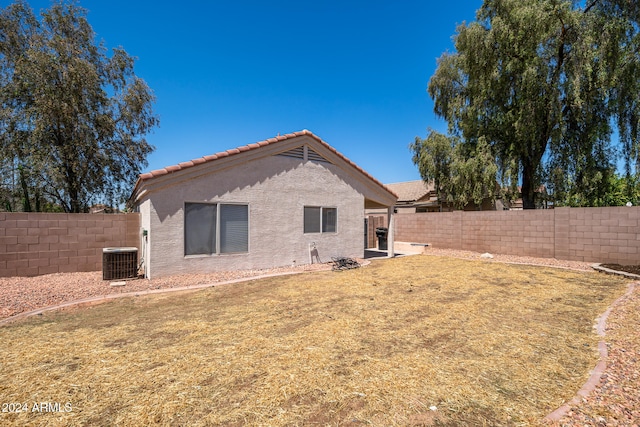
<point x="276" y="189"/>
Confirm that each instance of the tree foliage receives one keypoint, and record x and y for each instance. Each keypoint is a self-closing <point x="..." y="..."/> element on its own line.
<point x="545" y="83"/>
<point x="72" y="118"/>
<point x="461" y="174"/>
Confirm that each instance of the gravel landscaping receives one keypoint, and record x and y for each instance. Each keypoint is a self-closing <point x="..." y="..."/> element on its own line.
<point x="615" y="400"/>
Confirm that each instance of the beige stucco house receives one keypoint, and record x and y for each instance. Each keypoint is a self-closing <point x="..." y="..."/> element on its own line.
<point x="257" y="206"/>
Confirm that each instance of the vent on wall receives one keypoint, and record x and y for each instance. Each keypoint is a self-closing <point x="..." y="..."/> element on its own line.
<point x="119" y="263"/>
<point x="312" y="155"/>
<point x="298" y="153"/>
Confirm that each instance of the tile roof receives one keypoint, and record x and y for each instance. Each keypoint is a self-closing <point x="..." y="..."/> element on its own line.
<point x="410" y="191"/>
<point x="185" y="165"/>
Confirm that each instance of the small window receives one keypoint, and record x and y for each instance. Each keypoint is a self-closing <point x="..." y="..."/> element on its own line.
<point x="320" y="219"/>
<point x="329" y="220"/>
<point x="211" y="228"/>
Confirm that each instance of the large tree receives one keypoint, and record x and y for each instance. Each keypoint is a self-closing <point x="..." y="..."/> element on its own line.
<point x="461" y="173"/>
<point x="72" y="117"/>
<point x="544" y="83"/>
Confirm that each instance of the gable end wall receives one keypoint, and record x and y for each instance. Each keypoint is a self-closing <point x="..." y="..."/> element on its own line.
<point x="276" y="188"/>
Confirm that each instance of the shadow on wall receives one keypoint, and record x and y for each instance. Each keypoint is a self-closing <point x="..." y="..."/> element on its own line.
<point x="220" y="184"/>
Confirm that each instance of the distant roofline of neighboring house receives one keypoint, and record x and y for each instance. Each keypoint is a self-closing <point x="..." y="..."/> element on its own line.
<point x="412" y="194"/>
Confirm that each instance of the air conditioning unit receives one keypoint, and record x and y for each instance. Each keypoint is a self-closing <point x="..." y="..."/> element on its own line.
<point x="119" y="263"/>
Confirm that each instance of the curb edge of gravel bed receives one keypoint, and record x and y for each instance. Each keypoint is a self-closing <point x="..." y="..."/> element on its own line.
<point x="104" y="298"/>
<point x="108" y="297"/>
<point x="602" y="269"/>
<point x="596" y="373"/>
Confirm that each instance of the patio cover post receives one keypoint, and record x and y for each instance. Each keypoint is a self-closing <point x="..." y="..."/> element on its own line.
<point x="390" y="232"/>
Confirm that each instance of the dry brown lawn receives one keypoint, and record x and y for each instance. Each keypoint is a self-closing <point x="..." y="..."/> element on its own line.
<point x="415" y="341"/>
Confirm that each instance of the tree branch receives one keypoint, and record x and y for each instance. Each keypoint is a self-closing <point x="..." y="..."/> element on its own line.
<point x="593" y="3"/>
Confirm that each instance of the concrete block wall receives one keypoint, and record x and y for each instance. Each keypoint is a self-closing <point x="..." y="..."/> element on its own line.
<point x="606" y="235"/>
<point x="527" y="233"/>
<point x="441" y="229"/>
<point x="33" y="244"/>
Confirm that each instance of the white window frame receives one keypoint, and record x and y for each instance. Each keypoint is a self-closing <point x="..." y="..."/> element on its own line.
<point x="321" y="224"/>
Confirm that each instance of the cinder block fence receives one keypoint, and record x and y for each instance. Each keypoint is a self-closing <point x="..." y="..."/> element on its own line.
<point x="41" y="243"/>
<point x="32" y="244"/>
<point x="605" y="235"/>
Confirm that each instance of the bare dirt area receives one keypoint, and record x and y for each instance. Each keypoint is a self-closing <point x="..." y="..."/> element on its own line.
<point x="413" y="341"/>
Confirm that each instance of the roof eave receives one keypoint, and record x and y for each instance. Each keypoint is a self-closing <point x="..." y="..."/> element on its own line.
<point x="144" y="178"/>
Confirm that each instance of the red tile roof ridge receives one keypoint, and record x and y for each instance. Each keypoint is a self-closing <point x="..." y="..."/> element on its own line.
<point x="188" y="164"/>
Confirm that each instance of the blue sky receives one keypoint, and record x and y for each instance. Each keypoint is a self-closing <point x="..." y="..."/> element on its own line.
<point x="229" y="73"/>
